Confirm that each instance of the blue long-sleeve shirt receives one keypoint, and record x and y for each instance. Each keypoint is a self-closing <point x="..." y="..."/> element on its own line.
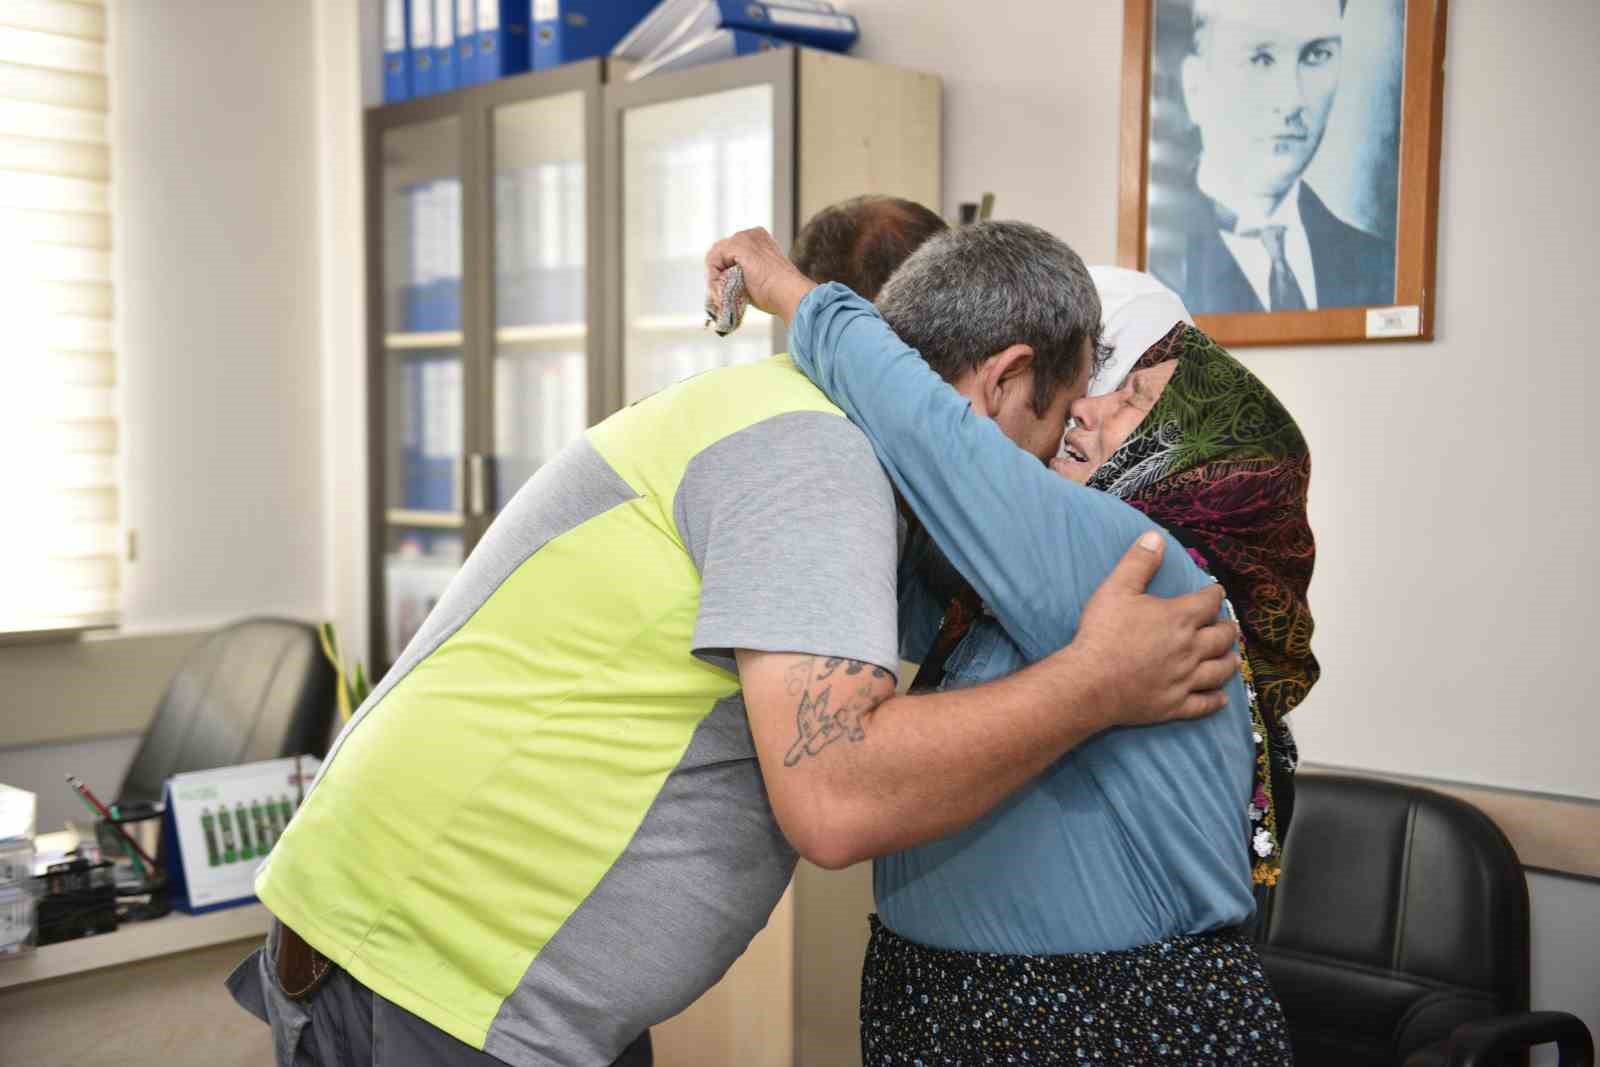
<point x="1137" y="835"/>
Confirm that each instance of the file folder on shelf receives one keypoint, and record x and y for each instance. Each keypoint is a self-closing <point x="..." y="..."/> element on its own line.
<point x="653" y="30"/>
<point x="433" y="290"/>
<point x="663" y="27"/>
<point x="540" y="245"/>
<point x="430" y="431"/>
<point x="444" y="44"/>
<point x="502" y="38"/>
<point x="565" y="31"/>
<point x="422" y="48"/>
<point x="466" y="42"/>
<point x="832" y="30"/>
<point x="396" y="51"/>
<point x="709" y="47"/>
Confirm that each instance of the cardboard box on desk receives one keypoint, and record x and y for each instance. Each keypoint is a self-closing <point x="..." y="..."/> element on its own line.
<point x="220" y="825"/>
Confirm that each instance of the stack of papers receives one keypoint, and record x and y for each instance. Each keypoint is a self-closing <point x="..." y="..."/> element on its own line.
<point x="18" y="922"/>
<point x="686" y="33"/>
<point x="18" y="814"/>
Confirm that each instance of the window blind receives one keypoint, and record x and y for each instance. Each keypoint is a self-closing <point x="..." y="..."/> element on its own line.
<point x="60" y="538"/>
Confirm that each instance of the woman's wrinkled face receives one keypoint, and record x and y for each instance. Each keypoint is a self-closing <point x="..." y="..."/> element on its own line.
<point x="1100" y="424"/>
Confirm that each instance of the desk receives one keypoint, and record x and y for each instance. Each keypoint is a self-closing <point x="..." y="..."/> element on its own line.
<point x="149" y="994"/>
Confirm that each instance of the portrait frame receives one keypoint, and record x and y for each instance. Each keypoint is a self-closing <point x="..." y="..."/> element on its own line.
<point x="1410" y="315"/>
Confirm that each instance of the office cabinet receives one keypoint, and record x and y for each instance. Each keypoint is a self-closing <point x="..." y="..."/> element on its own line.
<point x="480" y="236"/>
<point x="766" y="140"/>
<point x="535" y="250"/>
<point x="535" y="254"/>
<point x="691" y="156"/>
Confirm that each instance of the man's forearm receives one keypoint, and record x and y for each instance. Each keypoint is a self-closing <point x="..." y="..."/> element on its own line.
<point x="917" y="768"/>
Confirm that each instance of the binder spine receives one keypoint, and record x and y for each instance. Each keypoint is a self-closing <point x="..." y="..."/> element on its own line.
<point x="503" y="44"/>
<point x="396" y="51"/>
<point x="421" y="51"/>
<point x="831" y="30"/>
<point x="566" y="31"/>
<point x="444" y="45"/>
<point x="466" y="42"/>
<point x="547" y="32"/>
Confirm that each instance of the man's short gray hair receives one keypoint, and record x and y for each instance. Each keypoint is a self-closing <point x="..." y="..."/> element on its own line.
<point x="976" y="290"/>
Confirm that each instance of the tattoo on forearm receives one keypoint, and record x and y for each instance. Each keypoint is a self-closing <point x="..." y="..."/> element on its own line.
<point x="851" y="666"/>
<point x="831" y="704"/>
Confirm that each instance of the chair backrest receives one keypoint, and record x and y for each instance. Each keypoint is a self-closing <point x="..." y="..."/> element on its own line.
<point x="255" y="690"/>
<point x="1400" y="913"/>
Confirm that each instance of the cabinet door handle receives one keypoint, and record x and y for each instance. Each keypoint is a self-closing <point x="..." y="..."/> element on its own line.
<point x="478" y="483"/>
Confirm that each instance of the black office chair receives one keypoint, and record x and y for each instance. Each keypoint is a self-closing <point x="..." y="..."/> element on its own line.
<point x="1398" y="934"/>
<point x="255" y="690"/>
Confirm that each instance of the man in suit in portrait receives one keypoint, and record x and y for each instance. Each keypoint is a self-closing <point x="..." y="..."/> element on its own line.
<point x="1259" y="82"/>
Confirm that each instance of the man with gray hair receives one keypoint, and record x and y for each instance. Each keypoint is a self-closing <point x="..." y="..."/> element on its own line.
<point x="1006" y="313"/>
<point x="1122" y="867"/>
<point x="667" y="670"/>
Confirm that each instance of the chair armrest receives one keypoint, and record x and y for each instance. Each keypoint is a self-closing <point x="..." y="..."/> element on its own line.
<point x="1485" y="1042"/>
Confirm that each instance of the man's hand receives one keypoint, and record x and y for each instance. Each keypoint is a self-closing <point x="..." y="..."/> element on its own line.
<point x="854" y="771"/>
<point x="775" y="285"/>
<point x="1157" y="659"/>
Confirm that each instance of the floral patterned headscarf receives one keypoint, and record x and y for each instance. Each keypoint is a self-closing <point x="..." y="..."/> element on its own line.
<point x="1220" y="463"/>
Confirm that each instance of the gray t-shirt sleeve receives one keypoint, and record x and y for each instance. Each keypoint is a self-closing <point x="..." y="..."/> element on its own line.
<point x="791" y="523"/>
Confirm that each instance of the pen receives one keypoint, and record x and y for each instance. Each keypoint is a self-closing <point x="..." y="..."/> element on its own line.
<point x="133" y="856"/>
<point x="94" y="802"/>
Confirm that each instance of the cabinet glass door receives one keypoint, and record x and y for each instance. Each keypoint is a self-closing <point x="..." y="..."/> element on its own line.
<point x="694" y="170"/>
<point x="424" y="399"/>
<point x="541" y="366"/>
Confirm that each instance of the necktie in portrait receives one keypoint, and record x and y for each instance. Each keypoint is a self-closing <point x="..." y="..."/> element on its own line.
<point x="1282" y="285"/>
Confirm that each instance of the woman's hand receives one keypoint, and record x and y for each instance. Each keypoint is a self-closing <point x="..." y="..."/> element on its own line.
<point x="774" y="284"/>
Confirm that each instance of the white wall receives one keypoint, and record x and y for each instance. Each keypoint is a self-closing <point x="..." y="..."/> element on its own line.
<point x="345" y="61"/>
<point x="1453" y="498"/>
<point x="102" y="763"/>
<point x="214" y="165"/>
<point x="220" y="350"/>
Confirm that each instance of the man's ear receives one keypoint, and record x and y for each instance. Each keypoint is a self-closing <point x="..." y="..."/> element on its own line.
<point x="1002" y="373"/>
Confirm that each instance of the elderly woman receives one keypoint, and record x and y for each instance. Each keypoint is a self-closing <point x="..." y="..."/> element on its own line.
<point x="1097" y="915"/>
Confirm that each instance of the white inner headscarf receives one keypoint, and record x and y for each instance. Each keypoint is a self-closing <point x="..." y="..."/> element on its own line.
<point x="1136" y="312"/>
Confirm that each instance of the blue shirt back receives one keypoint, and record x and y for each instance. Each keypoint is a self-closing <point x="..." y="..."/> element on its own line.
<point x="1139" y="834"/>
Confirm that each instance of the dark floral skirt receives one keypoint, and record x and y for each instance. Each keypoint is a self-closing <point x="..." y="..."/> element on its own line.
<point x="1198" y="1000"/>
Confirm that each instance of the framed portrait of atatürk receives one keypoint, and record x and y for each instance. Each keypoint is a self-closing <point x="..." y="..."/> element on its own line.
<point x="1280" y="163"/>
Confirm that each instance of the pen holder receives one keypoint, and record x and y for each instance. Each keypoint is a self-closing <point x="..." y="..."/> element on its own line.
<point x="142" y="822"/>
<point x="144" y="826"/>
